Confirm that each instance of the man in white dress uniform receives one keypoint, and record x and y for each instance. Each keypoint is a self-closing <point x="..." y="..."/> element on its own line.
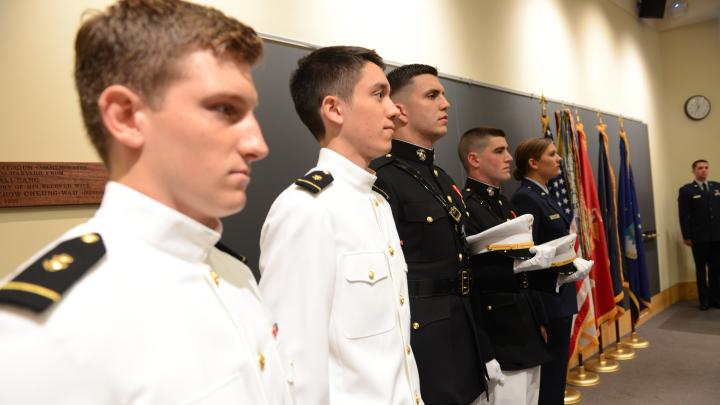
<point x="333" y="270"/>
<point x="138" y="305"/>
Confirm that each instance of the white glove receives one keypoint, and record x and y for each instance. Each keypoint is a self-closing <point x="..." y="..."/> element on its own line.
<point x="583" y="269"/>
<point x="542" y="260"/>
<point x="495" y="374"/>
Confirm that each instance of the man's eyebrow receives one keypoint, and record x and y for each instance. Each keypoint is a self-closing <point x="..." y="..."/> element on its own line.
<point x="380" y="85"/>
<point x="234" y="97"/>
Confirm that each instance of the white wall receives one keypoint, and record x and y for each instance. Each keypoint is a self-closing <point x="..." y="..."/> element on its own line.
<point x="590" y="52"/>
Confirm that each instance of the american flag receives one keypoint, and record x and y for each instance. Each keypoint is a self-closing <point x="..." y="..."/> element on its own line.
<point x="558" y="187"/>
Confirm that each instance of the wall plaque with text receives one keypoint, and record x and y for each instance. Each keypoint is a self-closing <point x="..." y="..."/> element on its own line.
<point x="28" y="184"/>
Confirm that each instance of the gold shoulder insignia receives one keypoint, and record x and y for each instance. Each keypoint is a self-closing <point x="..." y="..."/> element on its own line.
<point x="43" y="282"/>
<point x="315" y="182"/>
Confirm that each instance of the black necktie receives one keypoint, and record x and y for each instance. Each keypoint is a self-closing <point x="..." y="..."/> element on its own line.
<point x="703" y="186"/>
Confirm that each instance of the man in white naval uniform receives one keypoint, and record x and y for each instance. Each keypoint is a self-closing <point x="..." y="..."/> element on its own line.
<point x="138" y="305"/>
<point x="333" y="272"/>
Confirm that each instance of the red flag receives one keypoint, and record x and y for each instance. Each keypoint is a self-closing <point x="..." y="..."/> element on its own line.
<point x="594" y="242"/>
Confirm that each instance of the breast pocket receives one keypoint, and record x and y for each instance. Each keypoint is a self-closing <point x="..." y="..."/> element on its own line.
<point x="366" y="306"/>
<point x="420" y="220"/>
<point x="504" y="320"/>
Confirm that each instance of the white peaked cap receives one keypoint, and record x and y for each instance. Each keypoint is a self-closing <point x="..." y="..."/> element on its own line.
<point x="564" y="250"/>
<point x="515" y="234"/>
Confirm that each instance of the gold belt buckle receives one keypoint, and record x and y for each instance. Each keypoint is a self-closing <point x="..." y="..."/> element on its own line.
<point x="465" y="282"/>
<point x="455" y="214"/>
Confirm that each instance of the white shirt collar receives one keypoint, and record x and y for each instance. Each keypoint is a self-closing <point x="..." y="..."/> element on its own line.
<point x="341" y="167"/>
<point x="542" y="186"/>
<point x="155" y="223"/>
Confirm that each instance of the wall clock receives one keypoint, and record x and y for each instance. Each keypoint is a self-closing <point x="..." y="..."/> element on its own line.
<point x="697" y="107"/>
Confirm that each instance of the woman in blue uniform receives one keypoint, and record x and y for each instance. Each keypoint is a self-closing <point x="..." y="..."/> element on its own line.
<point x="537" y="162"/>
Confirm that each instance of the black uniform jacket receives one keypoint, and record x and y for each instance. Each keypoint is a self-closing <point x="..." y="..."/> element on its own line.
<point x="511" y="313"/>
<point x="450" y="351"/>
<point x="700" y="212"/>
<point x="549" y="223"/>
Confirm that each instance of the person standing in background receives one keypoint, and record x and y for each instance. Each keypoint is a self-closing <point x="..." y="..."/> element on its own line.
<point x="699" y="212"/>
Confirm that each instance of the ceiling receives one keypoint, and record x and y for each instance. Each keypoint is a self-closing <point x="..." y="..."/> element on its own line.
<point x="697" y="11"/>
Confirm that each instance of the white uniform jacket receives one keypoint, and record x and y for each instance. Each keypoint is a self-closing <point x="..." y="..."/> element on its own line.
<point x="163" y="318"/>
<point x="334" y="275"/>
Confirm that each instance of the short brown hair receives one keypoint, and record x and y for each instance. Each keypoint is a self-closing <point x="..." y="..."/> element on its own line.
<point x="402" y="76"/>
<point x="138" y="44"/>
<point x="695" y="163"/>
<point x="475" y="140"/>
<point x="532" y="148"/>
<point x="333" y="70"/>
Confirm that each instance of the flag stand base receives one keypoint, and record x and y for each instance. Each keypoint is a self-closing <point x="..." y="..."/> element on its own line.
<point x="579" y="377"/>
<point x="572" y="396"/>
<point x="620" y="352"/>
<point x="636" y="342"/>
<point x="602" y="365"/>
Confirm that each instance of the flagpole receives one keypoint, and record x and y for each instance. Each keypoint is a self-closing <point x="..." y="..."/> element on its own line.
<point x="580" y="377"/>
<point x="621" y="351"/>
<point x="602" y="364"/>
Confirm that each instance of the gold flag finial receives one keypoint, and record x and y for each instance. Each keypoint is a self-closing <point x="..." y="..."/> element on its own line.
<point x="599" y="117"/>
<point x="544" y="120"/>
<point x="577" y="115"/>
<point x="621" y="120"/>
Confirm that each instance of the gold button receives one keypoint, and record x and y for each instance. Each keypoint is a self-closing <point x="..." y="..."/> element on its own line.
<point x="429" y="219"/>
<point x="402" y="299"/>
<point x="460" y="256"/>
<point x="90" y="238"/>
<point x="449" y="199"/>
<point x="407" y="349"/>
<point x="489" y="307"/>
<point x="435" y="172"/>
<point x="261" y="361"/>
<point x="391" y="250"/>
<point x="416" y="325"/>
<point x="215" y="277"/>
<point x="417" y="398"/>
<point x="388" y="155"/>
<point x="371" y="275"/>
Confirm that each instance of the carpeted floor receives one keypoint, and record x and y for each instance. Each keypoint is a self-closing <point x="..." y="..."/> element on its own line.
<point x="681" y="366"/>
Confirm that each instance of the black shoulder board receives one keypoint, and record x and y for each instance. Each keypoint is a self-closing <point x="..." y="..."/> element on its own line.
<point x="380" y="191"/>
<point x="43" y="282"/>
<point x="315" y="182"/>
<point x="382" y="161"/>
<point x="222" y="247"/>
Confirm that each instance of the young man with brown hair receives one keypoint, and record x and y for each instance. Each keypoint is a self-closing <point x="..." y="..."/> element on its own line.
<point x="138" y="305"/>
<point x="332" y="266"/>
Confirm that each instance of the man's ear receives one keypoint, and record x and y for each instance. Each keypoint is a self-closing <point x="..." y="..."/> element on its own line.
<point x="332" y="109"/>
<point x="119" y="107"/>
<point x="473" y="160"/>
<point x="402" y="117"/>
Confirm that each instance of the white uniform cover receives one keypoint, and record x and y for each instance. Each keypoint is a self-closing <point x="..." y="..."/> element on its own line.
<point x="147" y="324"/>
<point x="334" y="275"/>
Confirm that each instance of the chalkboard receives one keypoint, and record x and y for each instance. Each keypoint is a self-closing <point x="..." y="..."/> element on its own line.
<point x="293" y="150"/>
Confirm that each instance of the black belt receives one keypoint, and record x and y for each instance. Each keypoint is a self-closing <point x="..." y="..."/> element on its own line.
<point x="459" y="285"/>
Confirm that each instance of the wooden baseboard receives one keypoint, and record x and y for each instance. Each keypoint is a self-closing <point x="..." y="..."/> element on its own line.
<point x="659" y="303"/>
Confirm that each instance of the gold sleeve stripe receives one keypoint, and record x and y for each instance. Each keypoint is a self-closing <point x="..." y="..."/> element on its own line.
<point x="33" y="289"/>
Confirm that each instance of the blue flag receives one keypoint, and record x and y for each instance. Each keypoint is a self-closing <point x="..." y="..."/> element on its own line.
<point x="607" y="191"/>
<point x="630" y="230"/>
